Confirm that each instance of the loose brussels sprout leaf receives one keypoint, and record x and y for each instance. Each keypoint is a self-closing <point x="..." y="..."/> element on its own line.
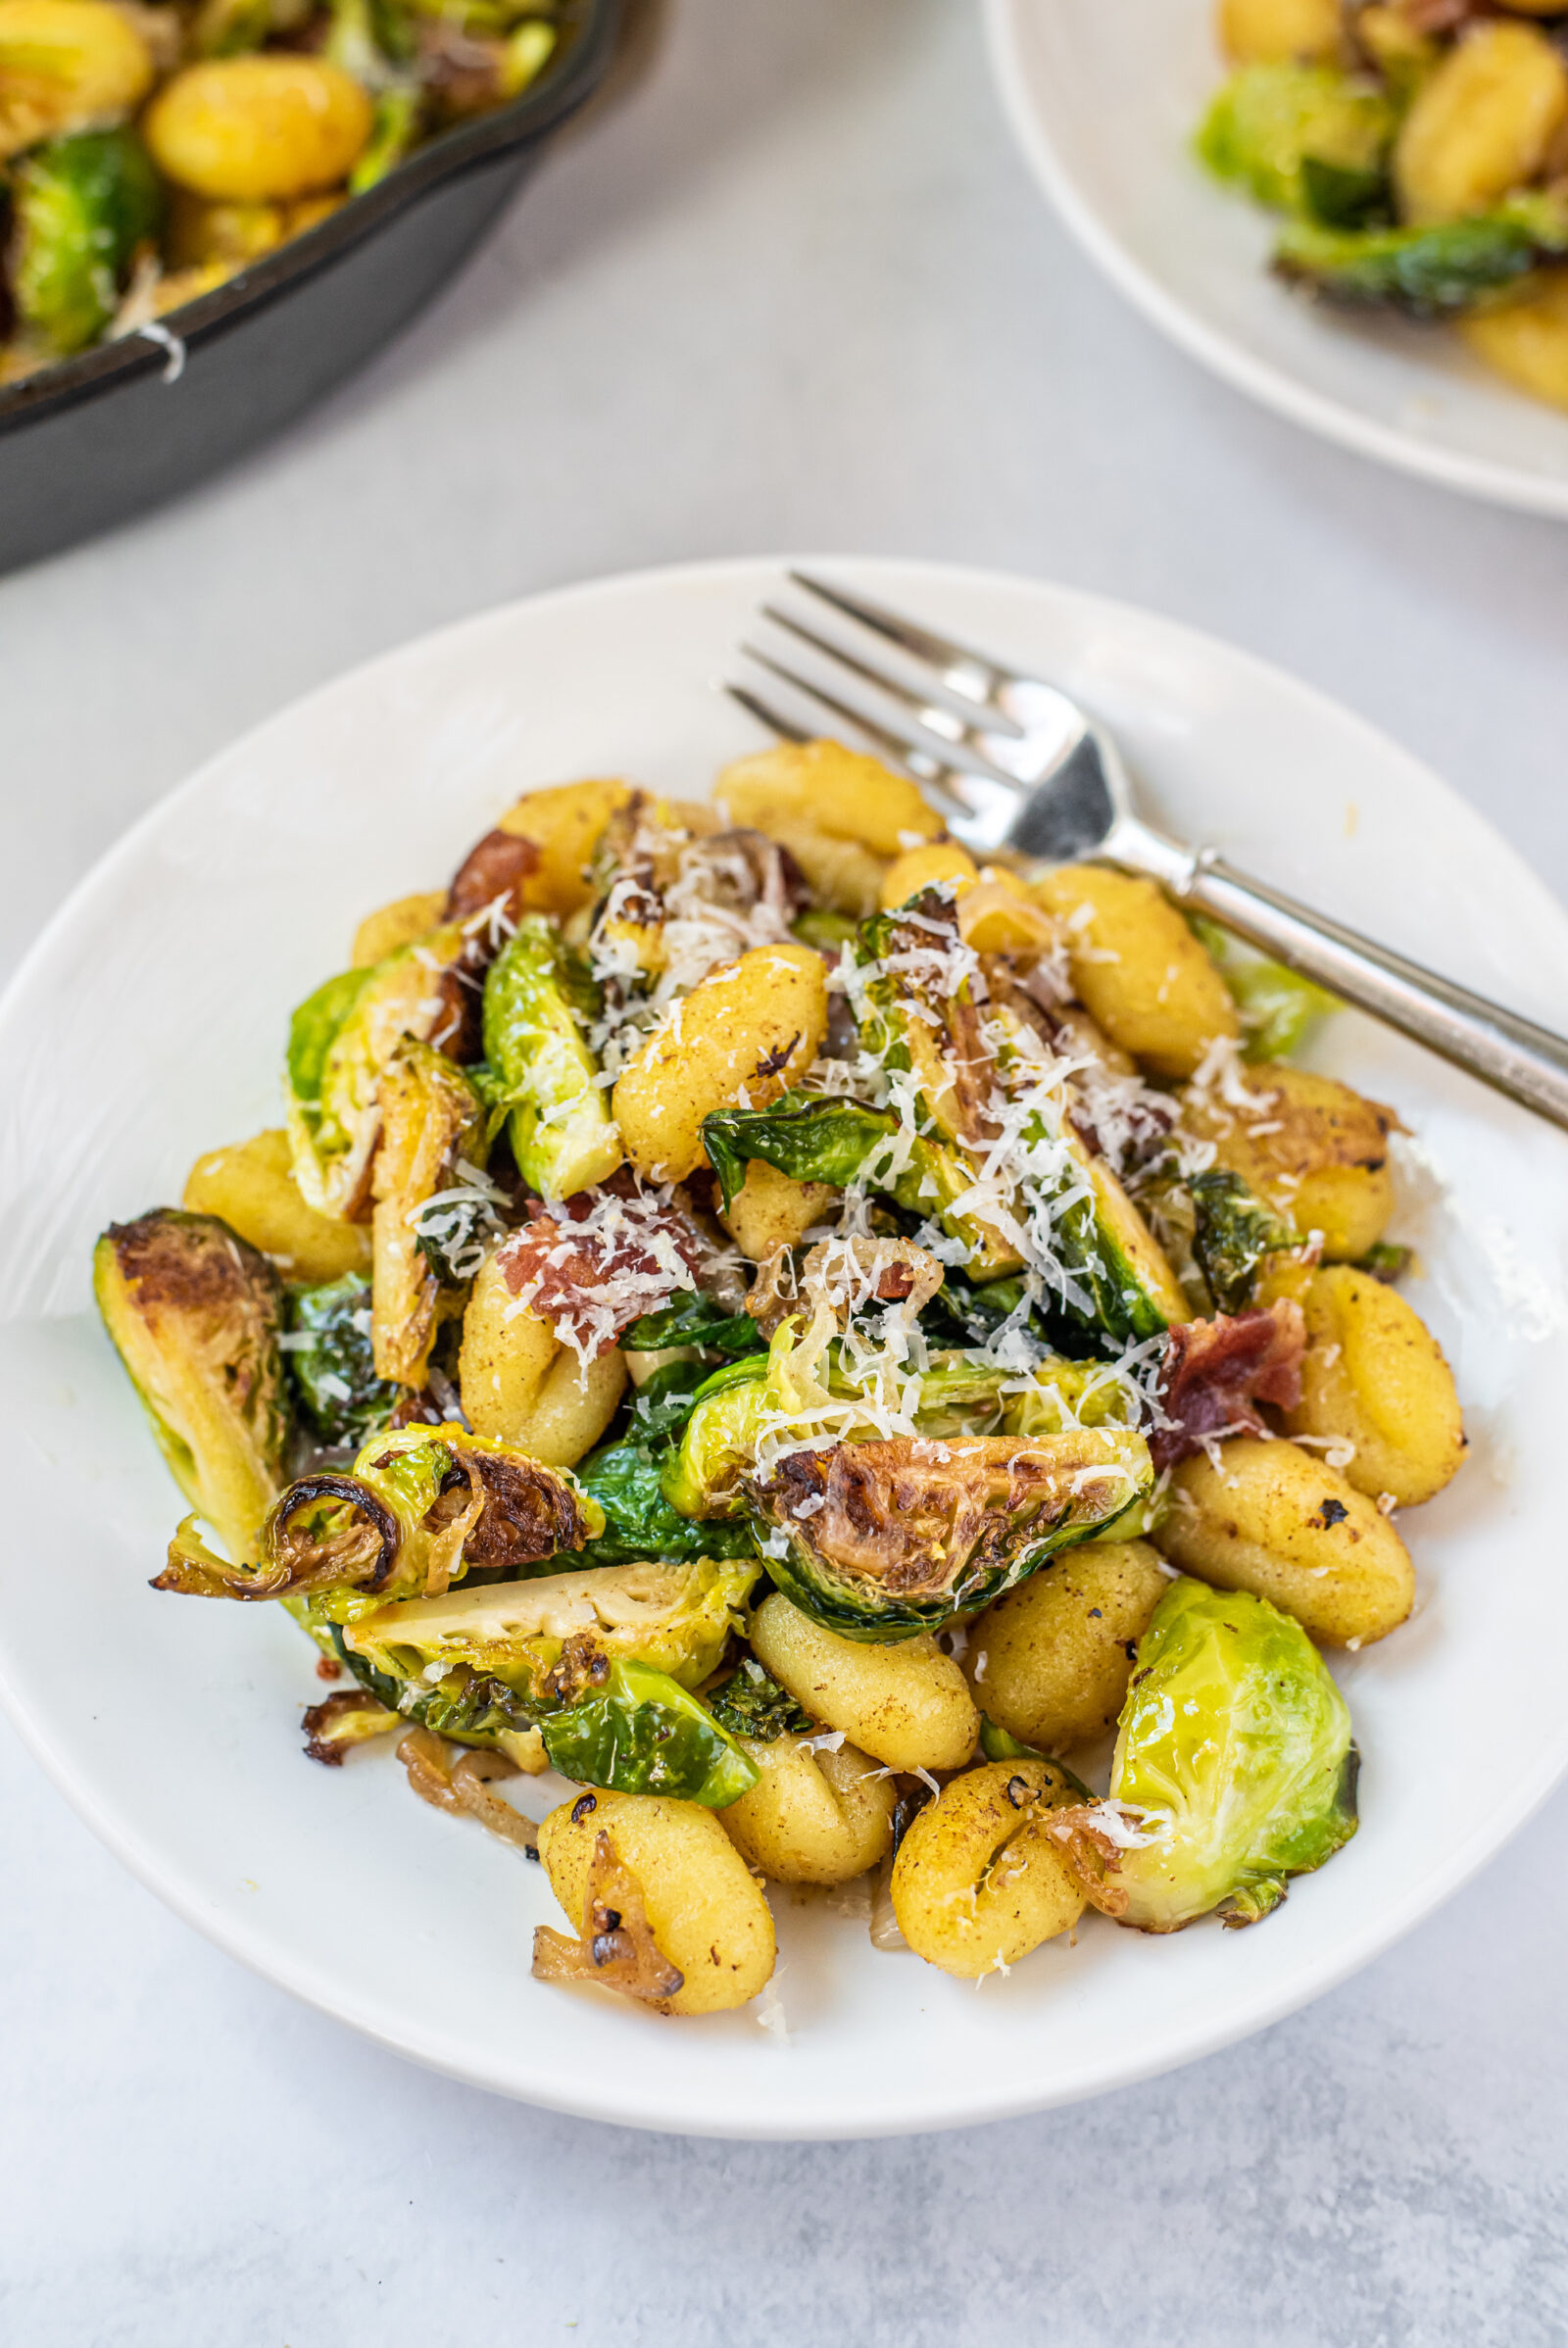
<point x="195" y="1315"/>
<point x="999" y="1744"/>
<point x="1272" y="124"/>
<point x="342" y="1721"/>
<point x="1341" y="195"/>
<point x="1384" y="1262"/>
<point x="642" y="1733"/>
<point x="881" y="1540"/>
<point x="394" y="131"/>
<point x="703" y="1479"/>
<point x="1234" y="1753"/>
<point x="433" y="1210"/>
<point x="547" y="1641"/>
<point x="1235" y="1233"/>
<point x="1438" y="270"/>
<point x="1277" y="1007"/>
<point x="339" y="1042"/>
<point x="752" y="1703"/>
<point x="81" y="207"/>
<point x="825" y="929"/>
<point x="695" y="1320"/>
<point x="538" y="1002"/>
<point x="639" y="1522"/>
<point x="841" y="1141"/>
<point x="331" y="1365"/>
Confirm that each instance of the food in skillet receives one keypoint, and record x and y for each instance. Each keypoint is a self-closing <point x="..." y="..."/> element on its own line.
<point x="147" y="153"/>
<point x="1418" y="152"/>
<point x="798" y="1335"/>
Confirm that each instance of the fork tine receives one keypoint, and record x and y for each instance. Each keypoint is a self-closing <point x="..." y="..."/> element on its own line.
<point x="923" y="766"/>
<point x="963" y="708"/>
<point x="929" y="756"/>
<point x="925" y="644"/>
<point x="765" y="714"/>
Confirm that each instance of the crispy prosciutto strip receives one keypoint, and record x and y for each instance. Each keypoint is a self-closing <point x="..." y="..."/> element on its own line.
<point x="599" y="1261"/>
<point x="1215" y="1371"/>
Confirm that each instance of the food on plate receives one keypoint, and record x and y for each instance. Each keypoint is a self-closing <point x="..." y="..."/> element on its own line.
<point x="149" y="153"/>
<point x="1418" y="156"/>
<point x="804" y="1350"/>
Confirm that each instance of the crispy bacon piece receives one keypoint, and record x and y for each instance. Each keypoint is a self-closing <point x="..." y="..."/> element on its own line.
<point x="599" y="1261"/>
<point x="618" y="1949"/>
<point x="486" y="896"/>
<point x="1214" y="1371"/>
<point x="497" y="866"/>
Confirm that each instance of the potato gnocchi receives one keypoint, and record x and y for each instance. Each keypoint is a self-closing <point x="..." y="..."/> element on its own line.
<point x="807" y="1337"/>
<point x="1417" y="157"/>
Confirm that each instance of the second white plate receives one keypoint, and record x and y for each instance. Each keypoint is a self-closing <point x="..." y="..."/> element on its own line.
<point x="148" y="1025"/>
<point x="1103" y="96"/>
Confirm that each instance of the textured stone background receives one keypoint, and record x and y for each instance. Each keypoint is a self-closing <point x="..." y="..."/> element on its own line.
<point x="789" y="287"/>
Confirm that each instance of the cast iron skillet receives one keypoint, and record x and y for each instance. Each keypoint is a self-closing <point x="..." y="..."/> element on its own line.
<point x="99" y="437"/>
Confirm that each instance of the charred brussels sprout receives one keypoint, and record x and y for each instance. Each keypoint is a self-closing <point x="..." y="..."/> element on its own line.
<point x="841" y="1141"/>
<point x="433" y="1208"/>
<point x="340" y="1039"/>
<point x="538" y="1003"/>
<point x="81" y="208"/>
<point x="1302" y="138"/>
<point x="331" y="1365"/>
<point x="421" y="1506"/>
<point x="642" y="1733"/>
<point x="1438" y="270"/>
<point x="195" y="1314"/>
<point x="882" y="1540"/>
<point x="752" y="1703"/>
<point x="1234" y="1233"/>
<point x="526" y="1648"/>
<point x="1234" y="1755"/>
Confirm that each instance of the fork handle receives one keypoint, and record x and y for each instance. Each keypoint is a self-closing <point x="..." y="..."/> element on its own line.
<point x="1513" y="1054"/>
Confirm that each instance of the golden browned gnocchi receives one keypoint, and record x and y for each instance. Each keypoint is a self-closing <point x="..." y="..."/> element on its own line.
<point x="751" y="1028"/>
<point x="1316" y="1150"/>
<point x="1482" y="124"/>
<point x="1373" y="1377"/>
<point x="978" y="1882"/>
<point x="776" y="1336"/>
<point x="518" y="1381"/>
<point x="1276" y="31"/>
<point x="709" y="1916"/>
<point x="1051" y="1661"/>
<point x="1136" y="968"/>
<point x="818" y="1814"/>
<point x="908" y="1705"/>
<point x="257" y="128"/>
<point x="1270" y="1518"/>
<point x="250" y="1186"/>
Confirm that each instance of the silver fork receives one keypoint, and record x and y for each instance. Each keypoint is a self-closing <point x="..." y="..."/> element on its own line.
<point x="1013" y="761"/>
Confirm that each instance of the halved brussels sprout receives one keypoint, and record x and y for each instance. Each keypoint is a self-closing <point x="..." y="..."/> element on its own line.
<point x="538" y="1001"/>
<point x="917" y="1012"/>
<point x="1277" y="1007"/>
<point x="1233" y="1758"/>
<point x="882" y="1540"/>
<point x="81" y="208"/>
<point x="1235" y="1234"/>
<point x="195" y="1314"/>
<point x="1437" y="271"/>
<point x="1302" y="138"/>
<point x="340" y="1039"/>
<point x="703" y="1479"/>
<point x="814" y="1139"/>
<point x="545" y="1642"/>
<point x="430" y="1213"/>
<point x="641" y="1732"/>
<point x="421" y="1506"/>
<point x="331" y="1363"/>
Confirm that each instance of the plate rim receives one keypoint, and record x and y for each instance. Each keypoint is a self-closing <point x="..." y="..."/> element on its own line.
<point x="1272" y="386"/>
<point x="313" y="1984"/>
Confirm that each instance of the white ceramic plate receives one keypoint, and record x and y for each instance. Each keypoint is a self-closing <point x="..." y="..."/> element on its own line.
<point x="147" y="1025"/>
<point x="1103" y="95"/>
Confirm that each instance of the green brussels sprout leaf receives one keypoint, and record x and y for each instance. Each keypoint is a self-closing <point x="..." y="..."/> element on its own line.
<point x="331" y="1365"/>
<point x="752" y="1703"/>
<point x="642" y="1733"/>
